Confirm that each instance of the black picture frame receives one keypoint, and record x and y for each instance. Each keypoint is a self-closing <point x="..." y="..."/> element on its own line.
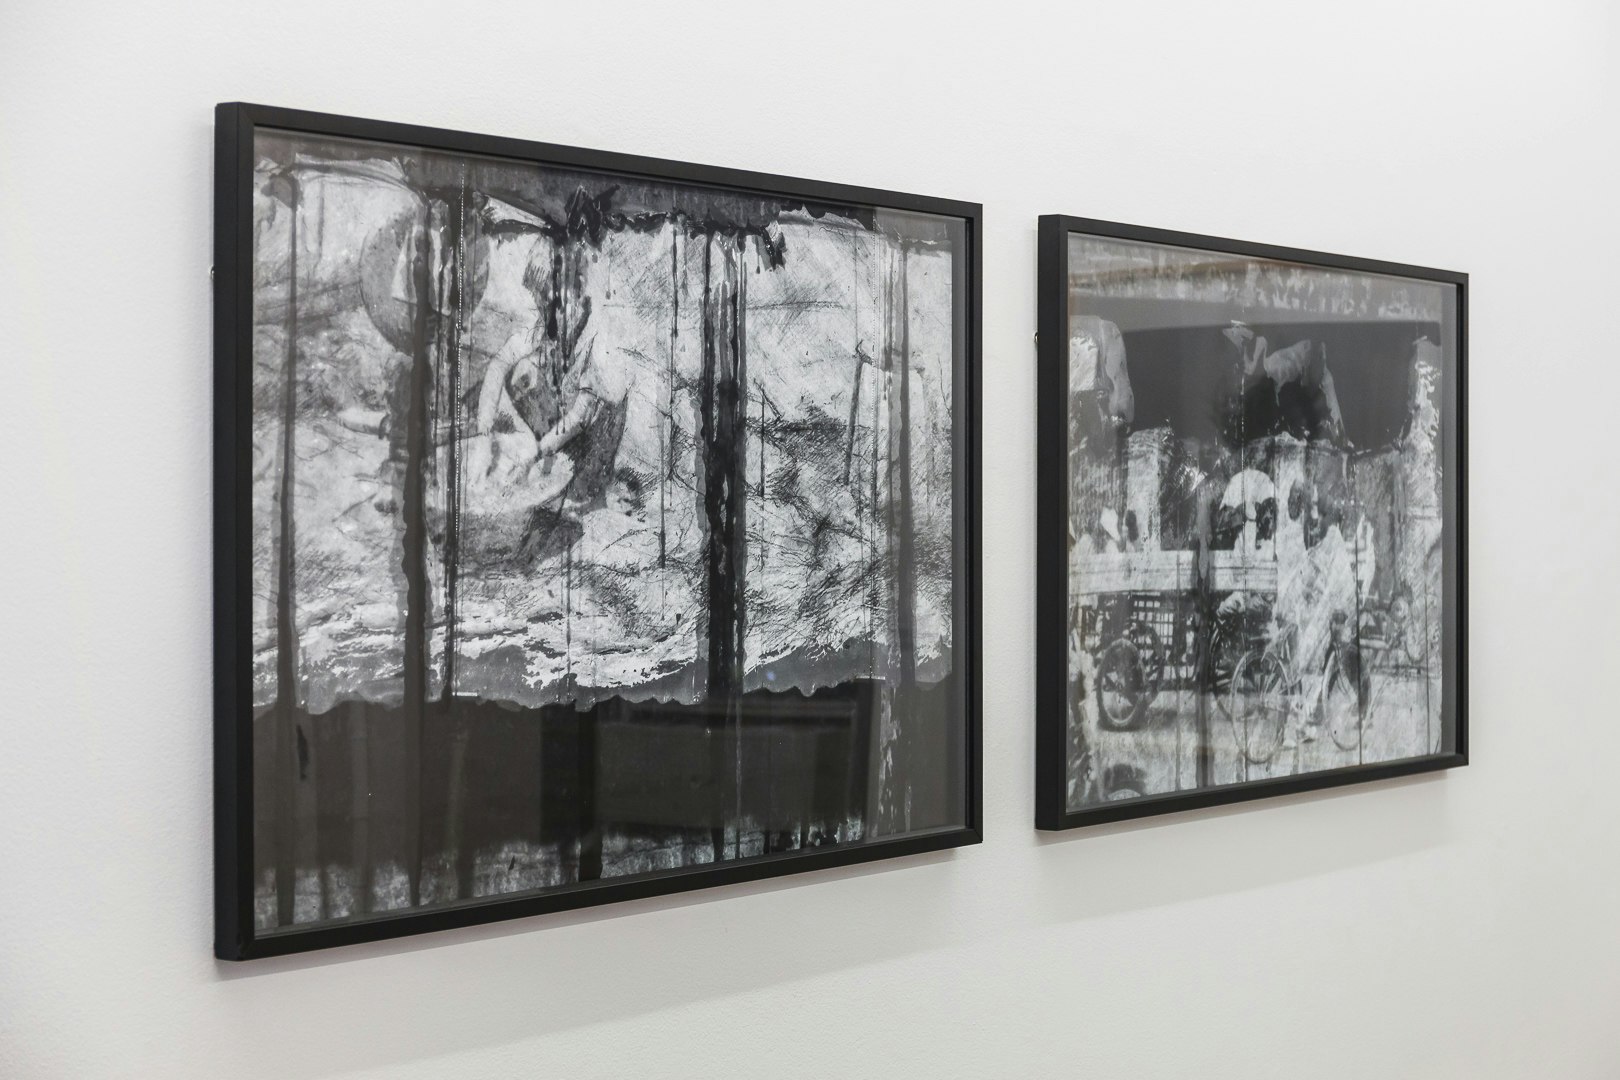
<point x="235" y="935"/>
<point x="1052" y="811"/>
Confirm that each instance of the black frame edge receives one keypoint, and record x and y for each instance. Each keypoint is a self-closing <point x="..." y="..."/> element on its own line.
<point x="1051" y="469"/>
<point x="1458" y="597"/>
<point x="235" y="938"/>
<point x="1254" y="249"/>
<point x="688" y="880"/>
<point x="607" y="161"/>
<point x="1202" y="798"/>
<point x="233" y="775"/>
<point x="1051" y="812"/>
<point x="974" y="697"/>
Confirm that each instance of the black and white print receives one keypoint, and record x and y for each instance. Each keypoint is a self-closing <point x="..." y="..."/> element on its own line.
<point x="1255" y="558"/>
<point x="602" y="526"/>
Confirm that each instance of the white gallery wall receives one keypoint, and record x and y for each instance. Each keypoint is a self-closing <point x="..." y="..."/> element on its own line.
<point x="1461" y="925"/>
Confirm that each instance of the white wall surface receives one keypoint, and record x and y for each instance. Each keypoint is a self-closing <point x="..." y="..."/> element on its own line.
<point x="1463" y="925"/>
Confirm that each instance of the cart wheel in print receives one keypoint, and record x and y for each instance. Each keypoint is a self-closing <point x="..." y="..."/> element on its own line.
<point x="1345" y="688"/>
<point x="1123" y="782"/>
<point x="1151" y="650"/>
<point x="1260" y="705"/>
<point x="1122" y="693"/>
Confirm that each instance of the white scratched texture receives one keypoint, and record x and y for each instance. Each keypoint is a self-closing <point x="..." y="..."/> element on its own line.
<point x="1455" y="926"/>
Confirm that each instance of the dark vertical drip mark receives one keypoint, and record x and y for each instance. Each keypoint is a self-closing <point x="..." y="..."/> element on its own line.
<point x="558" y="360"/>
<point x="666" y="445"/>
<point x="725" y="491"/>
<point x="554" y="304"/>
<point x="286" y="635"/>
<point x="711" y="514"/>
<point x="894" y="757"/>
<point x="737" y="486"/>
<point x="461" y="732"/>
<point x="738" y="489"/>
<point x="854" y="414"/>
<point x="414" y="557"/>
<point x="711" y="494"/>
<point x="452" y="540"/>
<point x="891" y="502"/>
<point x="568" y="617"/>
<point x="564" y="280"/>
<point x="874" y="595"/>
<point x="905" y="568"/>
<point x="1203" y="564"/>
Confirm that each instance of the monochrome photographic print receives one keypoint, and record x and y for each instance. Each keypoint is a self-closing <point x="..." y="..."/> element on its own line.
<point x="589" y="527"/>
<point x="1251" y="521"/>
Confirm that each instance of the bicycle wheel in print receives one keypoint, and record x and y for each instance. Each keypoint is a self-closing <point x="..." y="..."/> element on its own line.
<point x="1260" y="705"/>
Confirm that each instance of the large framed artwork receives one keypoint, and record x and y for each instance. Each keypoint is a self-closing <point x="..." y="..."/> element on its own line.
<point x="588" y="527"/>
<point x="1252" y="525"/>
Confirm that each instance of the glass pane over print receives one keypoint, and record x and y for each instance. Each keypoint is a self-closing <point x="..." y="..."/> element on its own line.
<point x="1256" y="518"/>
<point x="602" y="527"/>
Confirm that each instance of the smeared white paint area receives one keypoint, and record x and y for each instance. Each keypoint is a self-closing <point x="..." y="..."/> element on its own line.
<point x="1311" y="591"/>
<point x="568" y="596"/>
<point x="1129" y="269"/>
<point x="1097" y="363"/>
<point x="1247" y="491"/>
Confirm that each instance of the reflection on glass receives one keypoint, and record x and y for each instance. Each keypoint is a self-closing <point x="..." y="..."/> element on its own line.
<point x="1255" y="518"/>
<point x="602" y="527"/>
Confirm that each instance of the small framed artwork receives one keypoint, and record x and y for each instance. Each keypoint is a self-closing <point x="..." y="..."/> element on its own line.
<point x="1252" y="526"/>
<point x="588" y="527"/>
